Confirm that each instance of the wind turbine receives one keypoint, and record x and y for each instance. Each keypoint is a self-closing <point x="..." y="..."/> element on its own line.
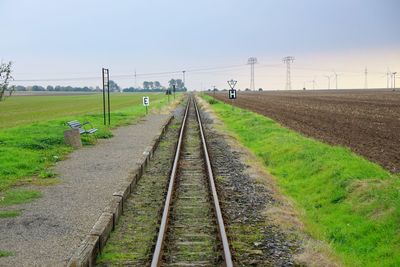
<point x="388" y="76"/>
<point x="329" y="81"/>
<point x="336" y="78"/>
<point x="313" y="83"/>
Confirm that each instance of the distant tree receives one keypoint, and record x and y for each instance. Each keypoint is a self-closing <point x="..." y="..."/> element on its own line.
<point x="146" y="85"/>
<point x="50" y="88"/>
<point x="37" y="88"/>
<point x="113" y="86"/>
<point x="171" y="83"/>
<point x="5" y="78"/>
<point x="247" y="89"/>
<point x="157" y="84"/>
<point x="20" y="88"/>
<point x="260" y="89"/>
<point x="179" y="84"/>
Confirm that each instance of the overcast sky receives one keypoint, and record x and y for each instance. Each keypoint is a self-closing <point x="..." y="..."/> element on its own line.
<point x="65" y="39"/>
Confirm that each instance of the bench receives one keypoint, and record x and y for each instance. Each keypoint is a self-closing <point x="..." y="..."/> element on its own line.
<point x="81" y="128"/>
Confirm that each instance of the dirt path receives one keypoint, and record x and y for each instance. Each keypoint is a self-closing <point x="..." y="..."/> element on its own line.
<point x="367" y="121"/>
<point x="51" y="228"/>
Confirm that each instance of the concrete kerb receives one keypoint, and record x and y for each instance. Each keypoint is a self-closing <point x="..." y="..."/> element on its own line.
<point x="87" y="252"/>
<point x="93" y="244"/>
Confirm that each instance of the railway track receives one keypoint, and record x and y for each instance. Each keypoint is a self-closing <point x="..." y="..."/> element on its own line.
<point x="192" y="231"/>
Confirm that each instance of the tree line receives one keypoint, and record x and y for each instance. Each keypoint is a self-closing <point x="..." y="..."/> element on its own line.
<point x="148" y="86"/>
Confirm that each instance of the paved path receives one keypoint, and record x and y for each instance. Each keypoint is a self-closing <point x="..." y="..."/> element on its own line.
<point x="51" y="228"/>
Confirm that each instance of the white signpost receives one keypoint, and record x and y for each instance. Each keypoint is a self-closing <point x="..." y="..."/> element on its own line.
<point x="146" y="102"/>
<point x="232" y="92"/>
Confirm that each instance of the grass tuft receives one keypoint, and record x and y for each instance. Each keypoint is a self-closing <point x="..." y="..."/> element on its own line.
<point x="9" y="213"/>
<point x="18" y="196"/>
<point x="5" y="253"/>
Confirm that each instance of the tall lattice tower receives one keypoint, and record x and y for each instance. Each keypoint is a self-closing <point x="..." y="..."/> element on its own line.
<point x="287" y="60"/>
<point x="251" y="61"/>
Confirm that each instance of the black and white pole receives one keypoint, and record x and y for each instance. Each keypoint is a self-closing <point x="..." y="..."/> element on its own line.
<point x="232" y="92"/>
<point x="106" y="86"/>
<point x="146" y="103"/>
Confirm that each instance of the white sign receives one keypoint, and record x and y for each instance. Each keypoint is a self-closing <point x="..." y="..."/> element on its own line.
<point x="146" y="101"/>
<point x="232" y="94"/>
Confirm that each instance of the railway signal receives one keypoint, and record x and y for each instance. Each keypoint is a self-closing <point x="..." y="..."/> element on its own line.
<point x="232" y="92"/>
<point x="146" y="102"/>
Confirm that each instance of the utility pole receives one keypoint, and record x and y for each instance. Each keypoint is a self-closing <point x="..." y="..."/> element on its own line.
<point x="251" y="61"/>
<point x="183" y="80"/>
<point x="214" y="90"/>
<point x="366" y="78"/>
<point x="135" y="80"/>
<point x="287" y="60"/>
<point x="329" y="81"/>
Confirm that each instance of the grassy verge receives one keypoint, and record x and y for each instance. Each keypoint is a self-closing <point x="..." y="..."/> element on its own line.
<point x="28" y="150"/>
<point x="345" y="200"/>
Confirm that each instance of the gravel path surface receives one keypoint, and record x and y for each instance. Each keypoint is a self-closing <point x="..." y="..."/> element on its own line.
<point x="51" y="228"/>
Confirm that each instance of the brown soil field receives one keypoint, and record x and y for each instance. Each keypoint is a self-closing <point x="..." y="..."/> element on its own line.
<point x="367" y="121"/>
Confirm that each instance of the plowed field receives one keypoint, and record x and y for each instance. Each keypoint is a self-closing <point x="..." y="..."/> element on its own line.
<point x="367" y="121"/>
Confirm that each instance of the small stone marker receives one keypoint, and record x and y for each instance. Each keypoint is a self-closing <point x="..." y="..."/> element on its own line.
<point x="72" y="137"/>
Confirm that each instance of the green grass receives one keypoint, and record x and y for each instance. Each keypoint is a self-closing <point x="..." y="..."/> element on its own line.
<point x="29" y="149"/>
<point x="345" y="200"/>
<point x="9" y="213"/>
<point x="5" y="253"/>
<point x="18" y="196"/>
<point x="23" y="110"/>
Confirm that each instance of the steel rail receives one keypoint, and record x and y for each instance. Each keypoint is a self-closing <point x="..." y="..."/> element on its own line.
<point x="164" y="220"/>
<point x="157" y="255"/>
<point x="217" y="208"/>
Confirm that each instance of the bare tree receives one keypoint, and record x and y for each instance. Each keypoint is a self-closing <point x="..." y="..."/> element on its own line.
<point x="5" y="78"/>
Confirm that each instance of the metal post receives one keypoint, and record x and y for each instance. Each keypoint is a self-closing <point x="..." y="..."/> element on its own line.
<point x="104" y="98"/>
<point x="108" y="93"/>
<point x="173" y="88"/>
<point x="147" y="110"/>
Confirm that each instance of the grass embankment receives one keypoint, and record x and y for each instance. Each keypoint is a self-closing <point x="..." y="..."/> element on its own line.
<point x="343" y="199"/>
<point x="29" y="149"/>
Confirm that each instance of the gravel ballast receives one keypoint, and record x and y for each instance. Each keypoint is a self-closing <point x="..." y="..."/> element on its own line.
<point x="52" y="227"/>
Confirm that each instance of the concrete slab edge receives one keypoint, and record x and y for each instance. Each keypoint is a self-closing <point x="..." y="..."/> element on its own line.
<point x="85" y="255"/>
